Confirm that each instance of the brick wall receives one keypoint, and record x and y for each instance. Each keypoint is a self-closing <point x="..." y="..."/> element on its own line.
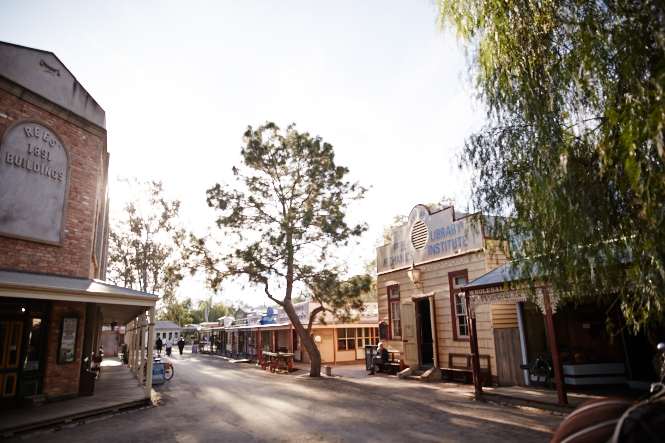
<point x="63" y="379"/>
<point x="74" y="257"/>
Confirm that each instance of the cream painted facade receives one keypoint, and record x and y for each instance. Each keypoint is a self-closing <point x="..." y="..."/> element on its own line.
<point x="427" y="309"/>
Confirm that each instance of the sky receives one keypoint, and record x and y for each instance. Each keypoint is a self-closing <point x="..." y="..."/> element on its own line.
<point x="181" y="81"/>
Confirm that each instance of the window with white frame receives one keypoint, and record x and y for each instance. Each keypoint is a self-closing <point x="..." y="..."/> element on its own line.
<point x="395" y="314"/>
<point x="458" y="305"/>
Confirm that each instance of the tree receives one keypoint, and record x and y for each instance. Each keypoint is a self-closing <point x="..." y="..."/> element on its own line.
<point x="287" y="223"/>
<point x="572" y="150"/>
<point x="146" y="243"/>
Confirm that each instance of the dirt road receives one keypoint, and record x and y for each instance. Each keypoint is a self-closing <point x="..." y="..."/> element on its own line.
<point x="211" y="399"/>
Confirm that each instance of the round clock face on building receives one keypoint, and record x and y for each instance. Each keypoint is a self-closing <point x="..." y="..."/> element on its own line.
<point x="34" y="182"/>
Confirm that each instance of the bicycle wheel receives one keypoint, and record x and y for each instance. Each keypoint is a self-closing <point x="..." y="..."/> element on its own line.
<point x="289" y="366"/>
<point x="264" y="363"/>
<point x="168" y="372"/>
<point x="273" y="365"/>
<point x="280" y="365"/>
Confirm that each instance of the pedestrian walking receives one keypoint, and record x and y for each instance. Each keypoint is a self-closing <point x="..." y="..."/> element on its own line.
<point x="181" y="344"/>
<point x="169" y="345"/>
<point x="158" y="345"/>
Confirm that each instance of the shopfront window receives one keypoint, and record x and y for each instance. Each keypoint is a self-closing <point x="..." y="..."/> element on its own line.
<point x="364" y="337"/>
<point x="346" y="339"/>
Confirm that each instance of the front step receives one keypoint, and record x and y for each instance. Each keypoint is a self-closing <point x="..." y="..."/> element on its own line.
<point x="430" y="375"/>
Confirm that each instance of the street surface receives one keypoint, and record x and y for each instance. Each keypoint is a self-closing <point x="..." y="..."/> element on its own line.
<point x="211" y="399"/>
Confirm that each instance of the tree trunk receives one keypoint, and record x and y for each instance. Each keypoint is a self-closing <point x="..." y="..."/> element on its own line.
<point x="306" y="340"/>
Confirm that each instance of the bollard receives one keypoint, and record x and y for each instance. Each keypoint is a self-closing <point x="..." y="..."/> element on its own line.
<point x="328" y="371"/>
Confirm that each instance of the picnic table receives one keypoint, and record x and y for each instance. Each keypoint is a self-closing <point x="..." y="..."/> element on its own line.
<point x="277" y="361"/>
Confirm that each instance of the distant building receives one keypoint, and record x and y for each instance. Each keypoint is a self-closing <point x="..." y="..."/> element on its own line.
<point x="166" y="330"/>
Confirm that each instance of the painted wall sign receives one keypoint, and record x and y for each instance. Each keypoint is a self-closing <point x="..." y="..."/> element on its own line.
<point x="34" y="183"/>
<point x="270" y="318"/>
<point x="426" y="237"/>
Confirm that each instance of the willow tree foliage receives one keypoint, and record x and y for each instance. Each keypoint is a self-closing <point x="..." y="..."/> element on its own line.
<point x="573" y="146"/>
<point x="146" y="243"/>
<point x="284" y="223"/>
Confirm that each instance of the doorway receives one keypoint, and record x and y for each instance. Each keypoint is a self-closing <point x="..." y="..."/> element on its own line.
<point x="425" y="333"/>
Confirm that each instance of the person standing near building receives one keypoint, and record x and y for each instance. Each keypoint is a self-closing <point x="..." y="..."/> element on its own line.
<point x="158" y="345"/>
<point x="181" y="344"/>
<point x="169" y="345"/>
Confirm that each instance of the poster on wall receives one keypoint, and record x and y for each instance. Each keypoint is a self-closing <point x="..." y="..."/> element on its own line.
<point x="67" y="348"/>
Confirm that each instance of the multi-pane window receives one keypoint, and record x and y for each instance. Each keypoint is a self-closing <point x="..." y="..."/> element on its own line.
<point x="396" y="321"/>
<point x="461" y="326"/>
<point x="365" y="336"/>
<point x="395" y="314"/>
<point x="346" y="339"/>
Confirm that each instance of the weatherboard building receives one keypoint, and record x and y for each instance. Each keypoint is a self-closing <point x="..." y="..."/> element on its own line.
<point x="422" y="311"/>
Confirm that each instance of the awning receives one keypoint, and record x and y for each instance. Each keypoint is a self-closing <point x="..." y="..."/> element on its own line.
<point x="117" y="303"/>
<point x="496" y="287"/>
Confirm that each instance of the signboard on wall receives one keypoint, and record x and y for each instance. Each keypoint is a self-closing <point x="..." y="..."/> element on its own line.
<point x="67" y="342"/>
<point x="34" y="183"/>
<point x="427" y="237"/>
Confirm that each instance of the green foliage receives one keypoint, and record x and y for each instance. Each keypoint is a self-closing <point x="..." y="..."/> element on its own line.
<point x="573" y="148"/>
<point x="146" y="241"/>
<point x="286" y="221"/>
<point x="191" y="312"/>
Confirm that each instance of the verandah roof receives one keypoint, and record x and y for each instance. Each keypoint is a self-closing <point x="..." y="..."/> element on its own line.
<point x="117" y="303"/>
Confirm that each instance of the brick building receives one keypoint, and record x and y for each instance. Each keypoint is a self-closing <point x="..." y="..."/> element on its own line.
<point x="53" y="231"/>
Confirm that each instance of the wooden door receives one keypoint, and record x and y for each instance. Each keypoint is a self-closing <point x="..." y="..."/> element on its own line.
<point x="10" y="352"/>
<point x="409" y="336"/>
<point x="508" y="357"/>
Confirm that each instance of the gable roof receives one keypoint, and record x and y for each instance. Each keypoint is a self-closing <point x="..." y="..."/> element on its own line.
<point x="165" y="324"/>
<point x="43" y="73"/>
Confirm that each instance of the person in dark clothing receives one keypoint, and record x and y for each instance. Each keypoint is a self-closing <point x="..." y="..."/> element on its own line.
<point x="181" y="345"/>
<point x="382" y="357"/>
<point x="158" y="345"/>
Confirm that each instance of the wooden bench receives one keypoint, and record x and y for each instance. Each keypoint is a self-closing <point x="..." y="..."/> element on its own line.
<point x="460" y="368"/>
<point x="393" y="366"/>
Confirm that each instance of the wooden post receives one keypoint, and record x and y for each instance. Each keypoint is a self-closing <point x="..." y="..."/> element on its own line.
<point x="434" y="332"/>
<point x="151" y="340"/>
<point x="142" y="336"/>
<point x="335" y="335"/>
<point x="556" y="361"/>
<point x="473" y="339"/>
<point x="259" y="347"/>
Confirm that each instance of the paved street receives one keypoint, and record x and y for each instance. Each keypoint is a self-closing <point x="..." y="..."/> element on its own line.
<point x="212" y="399"/>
